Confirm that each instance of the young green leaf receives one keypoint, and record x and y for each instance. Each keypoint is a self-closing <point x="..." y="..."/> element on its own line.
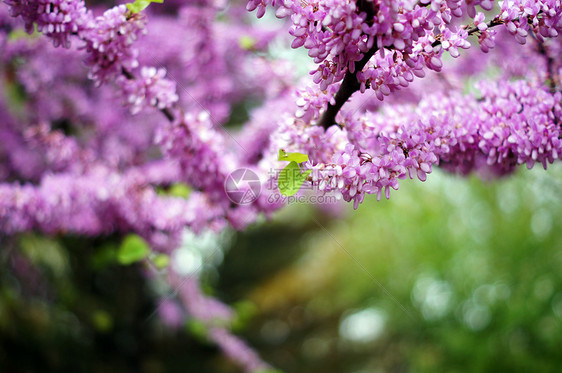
<point x="102" y="321"/>
<point x="244" y="311"/>
<point x="104" y="256"/>
<point x="132" y="249"/>
<point x="197" y="329"/>
<point x="302" y="177"/>
<point x="247" y="42"/>
<point x="291" y="179"/>
<point x="179" y="190"/>
<point x="292" y="157"/>
<point x="161" y="261"/>
<point x="19" y="34"/>
<point x="140" y="5"/>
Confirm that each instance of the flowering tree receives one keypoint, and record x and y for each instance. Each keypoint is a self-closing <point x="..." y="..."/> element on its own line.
<point x="107" y="114"/>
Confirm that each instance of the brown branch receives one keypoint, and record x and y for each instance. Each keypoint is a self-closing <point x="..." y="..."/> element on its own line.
<point x="350" y="84"/>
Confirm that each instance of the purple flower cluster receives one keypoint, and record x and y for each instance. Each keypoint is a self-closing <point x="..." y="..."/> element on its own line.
<point x="338" y="34"/>
<point x="487" y="36"/>
<point x="544" y="18"/>
<point x="57" y="19"/>
<point x="522" y="127"/>
<point x="516" y="123"/>
<point x="151" y="89"/>
<point x="199" y="149"/>
<point x="97" y="202"/>
<point x="388" y="72"/>
<point x="108" y="42"/>
<point x="109" y="38"/>
<point x="295" y="135"/>
<point x="60" y="153"/>
<point x="312" y="102"/>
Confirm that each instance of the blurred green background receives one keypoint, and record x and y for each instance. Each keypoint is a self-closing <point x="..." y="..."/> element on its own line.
<point x="455" y="274"/>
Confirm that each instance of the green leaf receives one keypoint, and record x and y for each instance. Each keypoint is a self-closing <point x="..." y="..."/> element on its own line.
<point x="140" y="5"/>
<point x="45" y="252"/>
<point x="176" y="190"/>
<point x="20" y="34"/>
<point x="161" y="261"/>
<point x="132" y="249"/>
<point x="291" y="179"/>
<point x="102" y="320"/>
<point x="104" y="256"/>
<point x="244" y="311"/>
<point x="179" y="190"/>
<point x="247" y="42"/>
<point x="197" y="329"/>
<point x="292" y="157"/>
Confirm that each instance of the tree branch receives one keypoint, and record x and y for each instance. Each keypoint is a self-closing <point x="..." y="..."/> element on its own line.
<point x="350" y="83"/>
<point x="349" y="86"/>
